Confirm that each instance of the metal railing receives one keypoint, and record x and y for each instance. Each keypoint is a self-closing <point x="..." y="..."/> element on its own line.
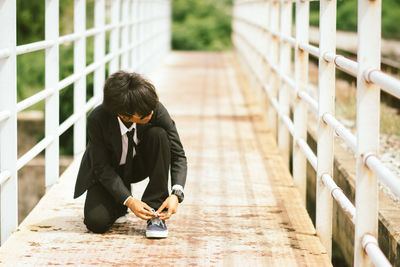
<point x="263" y="40"/>
<point x="139" y="37"/>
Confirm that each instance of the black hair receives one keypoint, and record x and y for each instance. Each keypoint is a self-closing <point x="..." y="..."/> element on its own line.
<point x="127" y="93"/>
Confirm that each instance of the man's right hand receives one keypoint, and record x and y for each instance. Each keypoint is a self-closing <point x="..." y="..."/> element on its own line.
<point x="141" y="209"/>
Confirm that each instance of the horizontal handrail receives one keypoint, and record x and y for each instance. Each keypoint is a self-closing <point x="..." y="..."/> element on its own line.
<point x="30" y="101"/>
<point x="390" y="179"/>
<point x="34" y="151"/>
<point x="341" y="131"/>
<point x="69" y="80"/>
<point x="313" y="50"/>
<point x="32" y="47"/>
<point x="310" y="101"/>
<point x="76" y="116"/>
<point x="312" y="158"/>
<point x="340" y="197"/>
<point x="345" y="64"/>
<point x="388" y="83"/>
<point x="371" y="247"/>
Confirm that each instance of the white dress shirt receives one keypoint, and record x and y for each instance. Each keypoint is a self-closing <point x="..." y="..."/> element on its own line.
<point x="124" y="137"/>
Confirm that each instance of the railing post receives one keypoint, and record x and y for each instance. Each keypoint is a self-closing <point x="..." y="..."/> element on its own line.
<point x="8" y="128"/>
<point x="79" y="67"/>
<point x="136" y="39"/>
<point x="266" y="70"/>
<point x="169" y="27"/>
<point x="125" y="35"/>
<point x="300" y="108"/>
<point x="284" y="68"/>
<point x="139" y="36"/>
<point x="52" y="102"/>
<point x="326" y="99"/>
<point x="273" y="58"/>
<point x="368" y="111"/>
<point x="114" y="35"/>
<point x="99" y="46"/>
<point x="132" y="35"/>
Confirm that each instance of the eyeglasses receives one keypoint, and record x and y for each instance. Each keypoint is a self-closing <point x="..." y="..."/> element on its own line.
<point x="136" y="116"/>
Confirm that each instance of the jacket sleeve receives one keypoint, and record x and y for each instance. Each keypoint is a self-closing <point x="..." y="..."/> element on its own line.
<point x="101" y="163"/>
<point x="178" y="157"/>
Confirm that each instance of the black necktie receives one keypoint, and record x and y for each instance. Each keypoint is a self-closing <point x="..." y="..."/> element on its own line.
<point x="129" y="155"/>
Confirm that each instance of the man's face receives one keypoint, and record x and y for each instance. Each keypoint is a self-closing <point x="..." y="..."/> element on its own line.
<point x="136" y="118"/>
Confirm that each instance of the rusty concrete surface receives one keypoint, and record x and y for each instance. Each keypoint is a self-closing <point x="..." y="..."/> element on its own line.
<point x="241" y="207"/>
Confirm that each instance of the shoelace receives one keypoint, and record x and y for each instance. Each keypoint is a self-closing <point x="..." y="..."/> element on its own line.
<point x="155" y="220"/>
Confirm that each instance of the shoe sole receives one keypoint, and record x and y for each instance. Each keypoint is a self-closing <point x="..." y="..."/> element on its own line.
<point x="156" y="234"/>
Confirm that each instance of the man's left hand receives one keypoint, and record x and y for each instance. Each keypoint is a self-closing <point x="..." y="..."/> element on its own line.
<point x="171" y="203"/>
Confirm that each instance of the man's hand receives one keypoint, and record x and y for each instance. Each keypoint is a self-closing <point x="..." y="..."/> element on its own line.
<point x="141" y="209"/>
<point x="171" y="203"/>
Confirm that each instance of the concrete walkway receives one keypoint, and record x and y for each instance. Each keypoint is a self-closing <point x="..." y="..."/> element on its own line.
<point x="241" y="207"/>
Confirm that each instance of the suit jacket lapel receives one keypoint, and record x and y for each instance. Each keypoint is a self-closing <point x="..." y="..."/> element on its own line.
<point x="115" y="137"/>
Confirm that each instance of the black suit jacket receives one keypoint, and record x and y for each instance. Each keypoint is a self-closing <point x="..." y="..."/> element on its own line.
<point x="103" y="152"/>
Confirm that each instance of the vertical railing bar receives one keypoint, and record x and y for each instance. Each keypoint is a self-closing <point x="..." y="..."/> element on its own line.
<point x="52" y="101"/>
<point x="300" y="107"/>
<point x="266" y="73"/>
<point x="135" y="13"/>
<point x="99" y="47"/>
<point x="139" y="35"/>
<point x="368" y="112"/>
<point x="284" y="66"/>
<point x="273" y="59"/>
<point x="326" y="105"/>
<point x="132" y="38"/>
<point x="79" y="66"/>
<point x="136" y="35"/>
<point x="8" y="129"/>
<point x="114" y="35"/>
<point x="125" y="35"/>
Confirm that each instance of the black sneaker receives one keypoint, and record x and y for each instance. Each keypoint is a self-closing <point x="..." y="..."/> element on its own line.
<point x="156" y="228"/>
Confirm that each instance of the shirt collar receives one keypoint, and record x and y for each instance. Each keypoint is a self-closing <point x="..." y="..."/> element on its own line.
<point x="123" y="128"/>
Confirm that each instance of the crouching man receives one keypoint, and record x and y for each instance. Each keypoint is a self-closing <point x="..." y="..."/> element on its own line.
<point x="131" y="137"/>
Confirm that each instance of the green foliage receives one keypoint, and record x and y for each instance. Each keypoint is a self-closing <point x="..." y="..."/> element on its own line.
<point x="30" y="21"/>
<point x="347" y="16"/>
<point x="201" y="24"/>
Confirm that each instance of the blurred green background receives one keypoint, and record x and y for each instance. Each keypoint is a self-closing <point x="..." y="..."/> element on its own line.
<point x="197" y="25"/>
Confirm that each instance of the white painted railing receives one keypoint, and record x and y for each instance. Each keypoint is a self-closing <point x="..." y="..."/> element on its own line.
<point x="145" y="37"/>
<point x="262" y="38"/>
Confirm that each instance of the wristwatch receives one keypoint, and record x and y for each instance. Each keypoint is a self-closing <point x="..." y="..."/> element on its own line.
<point x="179" y="194"/>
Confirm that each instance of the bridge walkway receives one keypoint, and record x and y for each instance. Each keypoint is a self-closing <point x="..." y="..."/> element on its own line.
<point x="241" y="206"/>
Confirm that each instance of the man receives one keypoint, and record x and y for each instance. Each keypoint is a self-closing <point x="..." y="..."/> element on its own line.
<point x="131" y="136"/>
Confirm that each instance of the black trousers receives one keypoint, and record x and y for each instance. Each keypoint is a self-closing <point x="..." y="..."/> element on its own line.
<point x="152" y="159"/>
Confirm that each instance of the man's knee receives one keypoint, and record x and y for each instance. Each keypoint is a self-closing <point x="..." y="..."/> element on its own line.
<point x="157" y="133"/>
<point x="98" y="220"/>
